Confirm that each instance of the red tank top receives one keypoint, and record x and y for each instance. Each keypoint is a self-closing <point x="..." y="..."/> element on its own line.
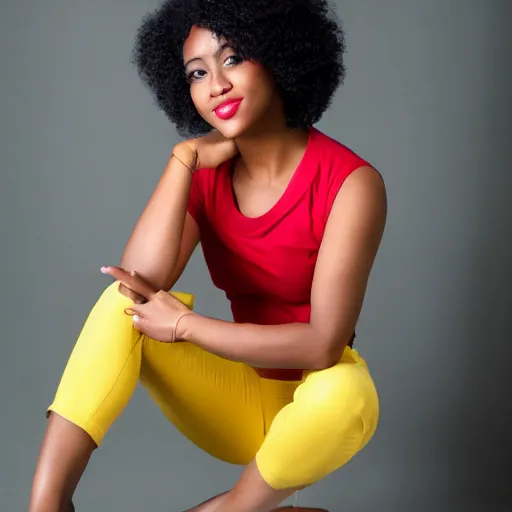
<point x="265" y="265"/>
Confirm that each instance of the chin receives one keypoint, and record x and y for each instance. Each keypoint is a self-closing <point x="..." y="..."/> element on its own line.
<point x="232" y="129"/>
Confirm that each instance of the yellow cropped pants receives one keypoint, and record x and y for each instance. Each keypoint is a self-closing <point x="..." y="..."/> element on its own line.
<point x="298" y="431"/>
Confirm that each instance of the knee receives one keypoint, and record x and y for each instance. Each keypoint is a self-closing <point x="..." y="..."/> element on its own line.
<point x="107" y="320"/>
<point x="116" y="292"/>
<point x="344" y="394"/>
<point x="113" y="300"/>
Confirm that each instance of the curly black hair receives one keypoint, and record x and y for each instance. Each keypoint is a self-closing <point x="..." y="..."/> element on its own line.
<point x="300" y="42"/>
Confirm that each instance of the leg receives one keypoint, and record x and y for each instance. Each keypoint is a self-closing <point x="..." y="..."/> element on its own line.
<point x="221" y="406"/>
<point x="210" y="505"/>
<point x="65" y="452"/>
<point x="98" y="381"/>
<point x="213" y="402"/>
<point x="252" y="494"/>
<point x="220" y="502"/>
<point x="333" y="415"/>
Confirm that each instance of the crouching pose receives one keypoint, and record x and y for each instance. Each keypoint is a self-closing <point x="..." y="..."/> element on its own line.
<point x="289" y="221"/>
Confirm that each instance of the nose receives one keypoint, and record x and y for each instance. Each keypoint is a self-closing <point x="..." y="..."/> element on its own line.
<point x="219" y="85"/>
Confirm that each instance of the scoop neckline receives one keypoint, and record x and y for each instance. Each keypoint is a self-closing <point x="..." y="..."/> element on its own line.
<point x="294" y="190"/>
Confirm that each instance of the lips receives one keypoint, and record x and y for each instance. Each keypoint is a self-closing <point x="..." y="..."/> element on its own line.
<point x="228" y="109"/>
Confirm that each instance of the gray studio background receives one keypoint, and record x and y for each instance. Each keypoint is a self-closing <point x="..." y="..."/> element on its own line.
<point x="426" y="99"/>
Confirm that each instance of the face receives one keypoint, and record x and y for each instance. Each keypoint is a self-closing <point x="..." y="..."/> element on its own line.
<point x="232" y="95"/>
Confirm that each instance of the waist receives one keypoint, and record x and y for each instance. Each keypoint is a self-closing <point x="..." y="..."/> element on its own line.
<point x="280" y="373"/>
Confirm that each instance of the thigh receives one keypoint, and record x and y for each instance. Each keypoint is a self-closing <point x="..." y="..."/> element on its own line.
<point x="214" y="402"/>
<point x="333" y="415"/>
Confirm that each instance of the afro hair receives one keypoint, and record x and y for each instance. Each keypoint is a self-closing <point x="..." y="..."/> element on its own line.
<point x="300" y="42"/>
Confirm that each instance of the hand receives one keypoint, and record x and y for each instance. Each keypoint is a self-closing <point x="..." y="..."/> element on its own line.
<point x="158" y="317"/>
<point x="138" y="298"/>
<point x="209" y="151"/>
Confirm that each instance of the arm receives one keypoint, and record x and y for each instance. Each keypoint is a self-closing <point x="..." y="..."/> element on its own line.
<point x="352" y="237"/>
<point x="153" y="249"/>
<point x="189" y="242"/>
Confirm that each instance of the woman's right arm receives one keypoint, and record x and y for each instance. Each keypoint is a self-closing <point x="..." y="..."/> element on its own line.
<point x="165" y="235"/>
<point x="159" y="245"/>
<point x="189" y="242"/>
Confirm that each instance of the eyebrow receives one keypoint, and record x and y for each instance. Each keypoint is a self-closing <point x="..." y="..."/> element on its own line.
<point x="218" y="51"/>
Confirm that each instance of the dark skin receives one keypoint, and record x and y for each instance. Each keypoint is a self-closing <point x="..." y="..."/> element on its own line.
<point x="66" y="449"/>
<point x="269" y="153"/>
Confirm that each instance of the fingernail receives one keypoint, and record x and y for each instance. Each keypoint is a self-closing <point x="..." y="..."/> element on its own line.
<point x="135" y="318"/>
<point x="104" y="269"/>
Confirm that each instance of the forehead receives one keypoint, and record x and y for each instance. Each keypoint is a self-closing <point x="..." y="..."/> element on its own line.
<point x="200" y="42"/>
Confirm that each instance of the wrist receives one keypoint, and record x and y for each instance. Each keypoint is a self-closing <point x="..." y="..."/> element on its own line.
<point x="187" y="152"/>
<point x="184" y="328"/>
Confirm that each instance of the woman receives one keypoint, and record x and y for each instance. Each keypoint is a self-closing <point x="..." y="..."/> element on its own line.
<point x="290" y="222"/>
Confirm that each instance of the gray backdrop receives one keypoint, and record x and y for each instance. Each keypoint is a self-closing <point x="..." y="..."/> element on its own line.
<point x="427" y="100"/>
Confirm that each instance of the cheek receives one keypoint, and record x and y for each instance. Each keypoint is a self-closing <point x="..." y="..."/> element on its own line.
<point x="258" y="81"/>
<point x="256" y="73"/>
<point x="197" y="97"/>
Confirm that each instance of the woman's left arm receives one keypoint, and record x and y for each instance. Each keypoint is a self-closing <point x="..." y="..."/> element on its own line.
<point x="349" y="246"/>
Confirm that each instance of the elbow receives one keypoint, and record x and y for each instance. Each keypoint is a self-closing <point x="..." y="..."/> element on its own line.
<point x="329" y="349"/>
<point x="157" y="278"/>
<point x="325" y="362"/>
<point x="328" y="355"/>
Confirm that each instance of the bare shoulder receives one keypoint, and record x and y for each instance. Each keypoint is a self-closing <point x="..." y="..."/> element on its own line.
<point x="365" y="176"/>
<point x="363" y="192"/>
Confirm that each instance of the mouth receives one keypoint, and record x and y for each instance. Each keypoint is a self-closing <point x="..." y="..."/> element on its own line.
<point x="228" y="109"/>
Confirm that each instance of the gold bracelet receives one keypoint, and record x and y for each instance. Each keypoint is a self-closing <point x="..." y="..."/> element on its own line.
<point x="180" y="160"/>
<point x="175" y="328"/>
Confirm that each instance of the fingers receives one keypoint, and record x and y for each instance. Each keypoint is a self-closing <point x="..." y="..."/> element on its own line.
<point x="136" y="312"/>
<point x="131" y="280"/>
<point x="136" y="309"/>
<point x="137" y="319"/>
<point x="138" y="299"/>
<point x="138" y="322"/>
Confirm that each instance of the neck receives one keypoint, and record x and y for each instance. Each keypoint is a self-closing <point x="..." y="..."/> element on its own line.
<point x="271" y="153"/>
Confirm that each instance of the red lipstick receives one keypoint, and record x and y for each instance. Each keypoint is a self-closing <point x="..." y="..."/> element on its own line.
<point x="228" y="109"/>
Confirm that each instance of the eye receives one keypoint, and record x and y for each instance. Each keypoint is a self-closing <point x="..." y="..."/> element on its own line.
<point x="198" y="74"/>
<point x="195" y="75"/>
<point x="233" y="60"/>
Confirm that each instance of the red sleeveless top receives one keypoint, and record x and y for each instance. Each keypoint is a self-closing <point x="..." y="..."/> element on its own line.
<point x="265" y="265"/>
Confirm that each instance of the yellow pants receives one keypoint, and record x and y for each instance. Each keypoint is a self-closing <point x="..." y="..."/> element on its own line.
<point x="299" y="431"/>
